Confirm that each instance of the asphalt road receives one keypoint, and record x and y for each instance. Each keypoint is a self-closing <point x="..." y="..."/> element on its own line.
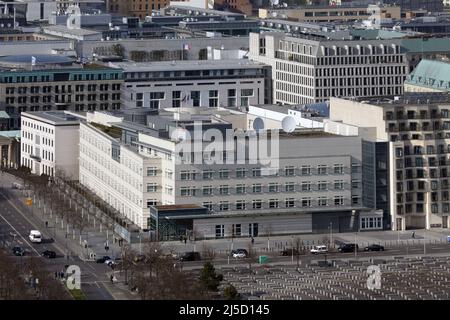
<point x="15" y="226"/>
<point x="430" y="249"/>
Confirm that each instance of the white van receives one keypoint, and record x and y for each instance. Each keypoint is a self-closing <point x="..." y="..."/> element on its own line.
<point x="35" y="236"/>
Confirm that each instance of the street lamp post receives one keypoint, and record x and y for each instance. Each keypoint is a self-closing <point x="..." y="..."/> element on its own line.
<point x="292" y="249"/>
<point x="331" y="233"/>
<point x="356" y="246"/>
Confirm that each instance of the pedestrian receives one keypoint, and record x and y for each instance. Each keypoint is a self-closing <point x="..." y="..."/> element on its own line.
<point x="181" y="239"/>
<point x="56" y="274"/>
<point x="413" y="235"/>
<point x="185" y="240"/>
<point x="253" y="240"/>
<point x="112" y="278"/>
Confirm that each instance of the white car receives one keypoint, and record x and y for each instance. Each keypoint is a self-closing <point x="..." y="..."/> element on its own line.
<point x="319" y="249"/>
<point x="35" y="236"/>
<point x="110" y="262"/>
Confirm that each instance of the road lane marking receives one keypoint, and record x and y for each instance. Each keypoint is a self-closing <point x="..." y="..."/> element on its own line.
<point x="31" y="223"/>
<point x="32" y="248"/>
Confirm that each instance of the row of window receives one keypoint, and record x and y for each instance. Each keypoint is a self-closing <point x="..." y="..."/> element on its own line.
<point x="257" y="172"/>
<point x="306" y="186"/>
<point x="277" y="203"/>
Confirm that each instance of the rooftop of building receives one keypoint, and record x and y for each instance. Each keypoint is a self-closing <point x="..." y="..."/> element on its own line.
<point x="186" y="65"/>
<point x="408" y="99"/>
<point x="38" y="60"/>
<point x="75" y="32"/>
<point x="432" y="74"/>
<point x="53" y="117"/>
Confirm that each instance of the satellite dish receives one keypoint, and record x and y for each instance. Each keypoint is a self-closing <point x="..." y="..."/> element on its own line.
<point x="258" y="124"/>
<point x="288" y="124"/>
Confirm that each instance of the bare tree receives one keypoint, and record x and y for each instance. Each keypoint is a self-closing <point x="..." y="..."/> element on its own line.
<point x="208" y="252"/>
<point x="252" y="256"/>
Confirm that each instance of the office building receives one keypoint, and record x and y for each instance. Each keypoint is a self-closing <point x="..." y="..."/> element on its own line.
<point x="49" y="143"/>
<point x="201" y="83"/>
<point x="135" y="168"/>
<point x="312" y="67"/>
<point x="55" y="82"/>
<point x="416" y="129"/>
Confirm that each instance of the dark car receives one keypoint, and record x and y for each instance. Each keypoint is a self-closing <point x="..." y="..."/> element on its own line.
<point x="103" y="259"/>
<point x="348" y="247"/>
<point x="374" y="247"/>
<point x="49" y="254"/>
<point x="18" y="251"/>
<point x="239" y="253"/>
<point x="190" y="256"/>
<point x="290" y="252"/>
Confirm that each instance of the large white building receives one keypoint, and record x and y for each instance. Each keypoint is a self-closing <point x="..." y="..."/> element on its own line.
<point x="311" y="68"/>
<point x="201" y="83"/>
<point x="413" y="134"/>
<point x="49" y="143"/>
<point x="317" y="183"/>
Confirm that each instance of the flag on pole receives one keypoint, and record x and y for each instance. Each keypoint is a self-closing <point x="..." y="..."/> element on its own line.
<point x="33" y="61"/>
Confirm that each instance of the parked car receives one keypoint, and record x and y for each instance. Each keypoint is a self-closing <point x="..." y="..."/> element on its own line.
<point x="190" y="256"/>
<point x="35" y="236"/>
<point x="374" y="247"/>
<point x="239" y="253"/>
<point x="290" y="252"/>
<point x="103" y="259"/>
<point x="49" y="254"/>
<point x="319" y="249"/>
<point x="348" y="247"/>
<point x="18" y="251"/>
<point x="110" y="262"/>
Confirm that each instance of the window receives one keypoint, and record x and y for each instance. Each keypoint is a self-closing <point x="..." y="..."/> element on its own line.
<point x="240" y="205"/>
<point x="257" y="204"/>
<point x="240" y="188"/>
<point x="322" y="169"/>
<point x="176" y="99"/>
<point x="155" y="97"/>
<point x="306" y="185"/>
<point x="220" y="231"/>
<point x="289" y="186"/>
<point x="207" y="190"/>
<point x="273" y="203"/>
<point x="151" y="202"/>
<point x="224" y="189"/>
<point x="208" y="174"/>
<point x="213" y="98"/>
<point x="232" y="97"/>
<point x="256" y="188"/>
<point x="186" y="192"/>
<point x="322" y="185"/>
<point x="152" y="171"/>
<point x="224" y="174"/>
<point x="338" y="169"/>
<point x="224" y="206"/>
<point x="240" y="173"/>
<point x="256" y="172"/>
<point x="290" y="202"/>
<point x="245" y="95"/>
<point x="339" y="184"/>
<point x="355" y="200"/>
<point x="236" y="229"/>
<point x="338" y="200"/>
<point x="321" y="201"/>
<point x="273" y="187"/>
<point x="195" y="96"/>
<point x="208" y="205"/>
<point x="306" y="170"/>
<point x="185" y="175"/>
<point x="289" y="171"/>
<point x="152" y="187"/>
<point x="306" y="202"/>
